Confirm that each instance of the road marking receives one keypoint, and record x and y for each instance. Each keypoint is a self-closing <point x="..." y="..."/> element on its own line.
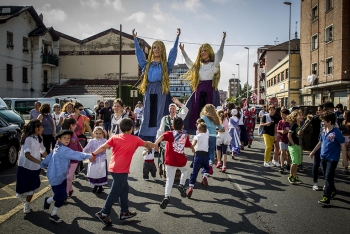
<point x="6" y="189"/>
<point x="8" y="175"/>
<point x="8" y="215"/>
<point x="7" y="198"/>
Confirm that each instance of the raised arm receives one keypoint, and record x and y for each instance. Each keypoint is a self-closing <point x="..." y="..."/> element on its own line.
<point x="220" y="53"/>
<point x="140" y="55"/>
<point x="173" y="52"/>
<point x="188" y="61"/>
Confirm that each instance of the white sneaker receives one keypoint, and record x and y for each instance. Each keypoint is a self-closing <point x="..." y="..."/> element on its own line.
<point x="26" y="209"/>
<point x="270" y="163"/>
<point x="273" y="162"/>
<point x="315" y="187"/>
<point x="277" y="164"/>
<point x="267" y="164"/>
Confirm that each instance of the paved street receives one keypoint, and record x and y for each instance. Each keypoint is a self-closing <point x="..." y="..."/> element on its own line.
<point x="247" y="199"/>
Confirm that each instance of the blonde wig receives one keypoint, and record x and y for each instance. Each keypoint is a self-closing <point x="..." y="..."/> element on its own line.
<point x="164" y="63"/>
<point x="192" y="76"/>
<point x="292" y="118"/>
<point x="210" y="112"/>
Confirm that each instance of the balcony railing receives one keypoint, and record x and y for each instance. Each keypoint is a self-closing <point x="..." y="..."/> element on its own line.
<point x="50" y="59"/>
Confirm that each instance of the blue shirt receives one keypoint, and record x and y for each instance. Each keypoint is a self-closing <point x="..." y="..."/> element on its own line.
<point x="155" y="68"/>
<point x="330" y="144"/>
<point x="211" y="126"/>
<point x="57" y="163"/>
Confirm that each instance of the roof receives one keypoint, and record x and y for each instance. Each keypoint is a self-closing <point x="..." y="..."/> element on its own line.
<point x="42" y="31"/>
<point x="104" y="87"/>
<point x="294" y="46"/>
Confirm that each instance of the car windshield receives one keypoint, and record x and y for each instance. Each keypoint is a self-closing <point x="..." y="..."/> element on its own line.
<point x="3" y="104"/>
<point x="88" y="111"/>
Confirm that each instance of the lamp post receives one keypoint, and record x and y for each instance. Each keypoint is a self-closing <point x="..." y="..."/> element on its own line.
<point x="239" y="77"/>
<point x="289" y="71"/>
<point x="247" y="76"/>
<point x="234" y="76"/>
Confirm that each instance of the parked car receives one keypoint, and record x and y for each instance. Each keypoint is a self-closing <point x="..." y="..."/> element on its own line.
<point x="10" y="137"/>
<point x="91" y="115"/>
<point x="10" y="116"/>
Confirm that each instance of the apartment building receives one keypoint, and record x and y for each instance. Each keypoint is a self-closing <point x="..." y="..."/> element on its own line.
<point x="29" y="53"/>
<point x="325" y="49"/>
<point x="223" y="95"/>
<point x="234" y="87"/>
<point x="179" y="87"/>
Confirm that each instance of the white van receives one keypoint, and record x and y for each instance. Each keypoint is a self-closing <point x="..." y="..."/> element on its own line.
<point x="24" y="105"/>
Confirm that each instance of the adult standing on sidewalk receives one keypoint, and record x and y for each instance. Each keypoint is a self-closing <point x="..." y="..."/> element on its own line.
<point x="105" y="114"/>
<point x="139" y="113"/>
<point x="49" y="127"/>
<point x="34" y="113"/>
<point x="262" y="113"/>
<point x="268" y="122"/>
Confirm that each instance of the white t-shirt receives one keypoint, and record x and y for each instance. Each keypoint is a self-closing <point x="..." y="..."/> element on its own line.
<point x="116" y="122"/>
<point x="262" y="113"/>
<point x="202" y="142"/>
<point x="148" y="155"/>
<point x="241" y="119"/>
<point x="32" y="145"/>
<point x="139" y="112"/>
<point x="56" y="117"/>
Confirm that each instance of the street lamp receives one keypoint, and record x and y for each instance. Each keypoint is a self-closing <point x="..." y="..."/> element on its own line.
<point x="247" y="76"/>
<point x="289" y="71"/>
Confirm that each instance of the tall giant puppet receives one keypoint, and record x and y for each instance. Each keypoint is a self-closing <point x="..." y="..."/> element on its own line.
<point x="155" y="84"/>
<point x="203" y="77"/>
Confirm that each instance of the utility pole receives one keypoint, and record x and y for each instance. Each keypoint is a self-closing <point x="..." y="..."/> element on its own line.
<point x="120" y="62"/>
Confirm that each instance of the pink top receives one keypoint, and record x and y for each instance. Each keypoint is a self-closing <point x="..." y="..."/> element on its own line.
<point x="75" y="145"/>
<point x="225" y="124"/>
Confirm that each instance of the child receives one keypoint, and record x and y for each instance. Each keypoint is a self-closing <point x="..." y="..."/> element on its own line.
<point x="345" y="129"/>
<point x="295" y="151"/>
<point x="201" y="157"/>
<point x="282" y="130"/>
<point x="234" y="130"/>
<point x="211" y="119"/>
<point x="74" y="144"/>
<point x="148" y="164"/>
<point x="175" y="158"/>
<point x="57" y="164"/>
<point x="223" y="140"/>
<point x="267" y="123"/>
<point x="99" y="123"/>
<point x="331" y="140"/>
<point x="28" y="179"/>
<point x="123" y="146"/>
<point x="97" y="171"/>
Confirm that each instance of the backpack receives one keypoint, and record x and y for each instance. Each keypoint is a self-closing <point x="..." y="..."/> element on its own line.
<point x="261" y="128"/>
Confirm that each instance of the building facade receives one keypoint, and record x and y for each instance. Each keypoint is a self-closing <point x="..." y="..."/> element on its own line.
<point x="234" y="87"/>
<point x="325" y="49"/>
<point x="179" y="87"/>
<point x="29" y="61"/>
<point x="223" y="95"/>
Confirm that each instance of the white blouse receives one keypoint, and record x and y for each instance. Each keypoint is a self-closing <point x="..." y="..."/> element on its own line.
<point x="207" y="71"/>
<point x="32" y="145"/>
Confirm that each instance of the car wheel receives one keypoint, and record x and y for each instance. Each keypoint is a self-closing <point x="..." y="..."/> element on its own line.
<point x="12" y="155"/>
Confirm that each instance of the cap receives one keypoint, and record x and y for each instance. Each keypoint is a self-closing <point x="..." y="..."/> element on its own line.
<point x="63" y="132"/>
<point x="173" y="104"/>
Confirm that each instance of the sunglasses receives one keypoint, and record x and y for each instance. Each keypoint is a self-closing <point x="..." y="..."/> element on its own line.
<point x="81" y="109"/>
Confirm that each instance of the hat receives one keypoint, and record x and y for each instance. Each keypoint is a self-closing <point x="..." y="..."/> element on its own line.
<point x="234" y="112"/>
<point x="63" y="132"/>
<point x="173" y="104"/>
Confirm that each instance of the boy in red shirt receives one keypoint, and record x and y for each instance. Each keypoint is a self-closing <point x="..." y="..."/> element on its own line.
<point x="282" y="129"/>
<point x="175" y="158"/>
<point x="124" y="146"/>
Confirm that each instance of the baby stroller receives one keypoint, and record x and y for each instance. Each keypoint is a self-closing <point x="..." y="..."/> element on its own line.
<point x="161" y="165"/>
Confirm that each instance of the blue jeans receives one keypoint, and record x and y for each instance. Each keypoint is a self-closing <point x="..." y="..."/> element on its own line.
<point x="316" y="165"/>
<point x="329" y="171"/>
<point x="119" y="190"/>
<point x="107" y="127"/>
<point x="198" y="163"/>
<point x="212" y="147"/>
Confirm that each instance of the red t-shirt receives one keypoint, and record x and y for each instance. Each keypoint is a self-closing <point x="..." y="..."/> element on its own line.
<point x="282" y="125"/>
<point x="174" y="153"/>
<point x="124" y="147"/>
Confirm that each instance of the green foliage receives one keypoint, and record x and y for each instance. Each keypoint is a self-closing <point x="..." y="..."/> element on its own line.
<point x="243" y="93"/>
<point x="127" y="100"/>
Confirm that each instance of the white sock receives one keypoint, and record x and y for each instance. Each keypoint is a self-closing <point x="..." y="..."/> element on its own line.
<point x="191" y="185"/>
<point x="50" y="200"/>
<point x="205" y="175"/>
<point x="27" y="204"/>
<point x="54" y="211"/>
<point x="104" y="214"/>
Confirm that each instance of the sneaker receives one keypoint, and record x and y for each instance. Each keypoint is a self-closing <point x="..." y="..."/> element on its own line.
<point x="164" y="202"/>
<point x="218" y="165"/>
<point x="55" y="218"/>
<point x="333" y="194"/>
<point x="267" y="164"/>
<point x="297" y="180"/>
<point x="146" y="179"/>
<point x="26" y="209"/>
<point x="46" y="205"/>
<point x="127" y="215"/>
<point x="205" y="181"/>
<point x="189" y="192"/>
<point x="324" y="201"/>
<point x="223" y="169"/>
<point x="104" y="219"/>
<point x="211" y="170"/>
<point x="315" y="187"/>
<point x="291" y="179"/>
<point x="273" y="162"/>
<point x="182" y="190"/>
<point x="277" y="164"/>
<point x="281" y="170"/>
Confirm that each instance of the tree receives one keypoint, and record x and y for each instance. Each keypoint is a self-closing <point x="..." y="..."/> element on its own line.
<point x="243" y="93"/>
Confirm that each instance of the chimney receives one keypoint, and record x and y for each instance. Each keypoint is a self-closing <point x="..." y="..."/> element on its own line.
<point x="41" y="17"/>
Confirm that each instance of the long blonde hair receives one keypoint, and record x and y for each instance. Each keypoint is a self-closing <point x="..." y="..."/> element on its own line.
<point x="165" y="74"/>
<point x="210" y="112"/>
<point x="192" y="76"/>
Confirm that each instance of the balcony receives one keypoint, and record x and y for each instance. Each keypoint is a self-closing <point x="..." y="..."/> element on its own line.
<point x="50" y="60"/>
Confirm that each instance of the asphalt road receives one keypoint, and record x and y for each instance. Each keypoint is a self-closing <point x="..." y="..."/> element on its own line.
<point x="247" y="199"/>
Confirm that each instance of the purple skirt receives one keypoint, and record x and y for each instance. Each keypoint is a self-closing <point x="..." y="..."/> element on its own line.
<point x="205" y="94"/>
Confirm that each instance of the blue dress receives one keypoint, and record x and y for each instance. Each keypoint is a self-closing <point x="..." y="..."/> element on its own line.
<point x="155" y="103"/>
<point x="234" y="131"/>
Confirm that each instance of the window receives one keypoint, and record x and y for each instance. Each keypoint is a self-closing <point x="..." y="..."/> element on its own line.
<point x="25" y="44"/>
<point x="314" y="13"/>
<point x="282" y="76"/>
<point x="329" y="66"/>
<point x="314" y="68"/>
<point x="25" y="75"/>
<point x="329" y="5"/>
<point x="314" y="42"/>
<point x="9" y="72"/>
<point x="278" y="78"/>
<point x="274" y="80"/>
<point x="329" y="34"/>
<point x="287" y="74"/>
<point x="9" y="40"/>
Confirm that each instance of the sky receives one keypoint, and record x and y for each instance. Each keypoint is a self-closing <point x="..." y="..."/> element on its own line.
<point x="248" y="23"/>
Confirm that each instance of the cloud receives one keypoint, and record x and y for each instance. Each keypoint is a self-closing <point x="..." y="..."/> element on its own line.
<point x="187" y="5"/>
<point x="139" y="17"/>
<point x="205" y="16"/>
<point x="159" y="15"/>
<point x="220" y="1"/>
<point x="52" y="15"/>
<point x="116" y="4"/>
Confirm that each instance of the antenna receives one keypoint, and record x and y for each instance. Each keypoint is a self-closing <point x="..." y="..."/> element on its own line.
<point x="276" y="41"/>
